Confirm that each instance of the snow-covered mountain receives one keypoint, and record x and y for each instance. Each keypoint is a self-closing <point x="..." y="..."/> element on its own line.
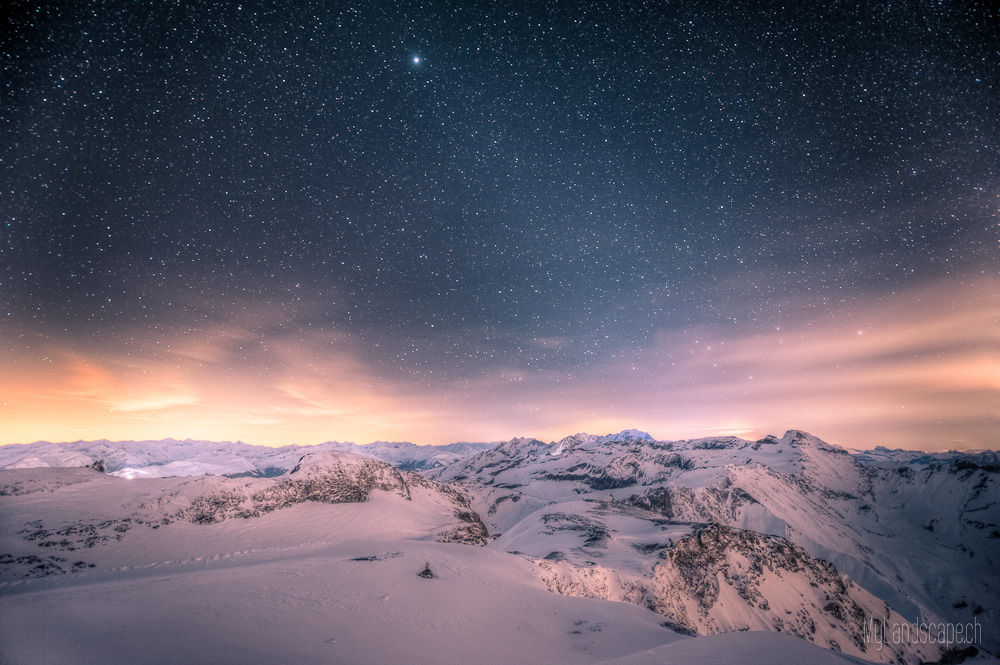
<point x="327" y="477"/>
<point x="169" y="458"/>
<point x="411" y="457"/>
<point x="344" y="559"/>
<point x="915" y="541"/>
<point x="715" y="536"/>
<point x="882" y="456"/>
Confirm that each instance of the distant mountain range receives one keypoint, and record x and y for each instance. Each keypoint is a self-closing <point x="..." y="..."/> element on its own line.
<point x="170" y="457"/>
<point x="717" y="535"/>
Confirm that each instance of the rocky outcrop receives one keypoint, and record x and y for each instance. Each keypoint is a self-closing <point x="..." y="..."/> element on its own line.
<point x="720" y="580"/>
<point x="333" y="477"/>
<point x="324" y="477"/>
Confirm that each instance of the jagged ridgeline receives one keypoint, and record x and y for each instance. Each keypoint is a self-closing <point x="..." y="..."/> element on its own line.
<point x="716" y="535"/>
<point x="789" y="534"/>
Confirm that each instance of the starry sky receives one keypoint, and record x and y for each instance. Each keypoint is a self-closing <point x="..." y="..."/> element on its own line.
<point x="292" y="222"/>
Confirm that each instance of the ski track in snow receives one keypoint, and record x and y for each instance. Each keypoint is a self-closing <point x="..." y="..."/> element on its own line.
<point x="245" y="557"/>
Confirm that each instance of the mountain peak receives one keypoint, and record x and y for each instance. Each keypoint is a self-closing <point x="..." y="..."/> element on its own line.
<point x="797" y="436"/>
<point x="627" y="435"/>
<point x="321" y="461"/>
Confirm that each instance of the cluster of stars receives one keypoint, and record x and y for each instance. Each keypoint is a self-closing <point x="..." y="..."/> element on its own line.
<point x="454" y="185"/>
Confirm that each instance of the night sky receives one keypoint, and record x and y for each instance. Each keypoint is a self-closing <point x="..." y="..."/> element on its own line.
<point x="293" y="222"/>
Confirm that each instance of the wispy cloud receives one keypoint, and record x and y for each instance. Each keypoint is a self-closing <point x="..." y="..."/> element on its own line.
<point x="918" y="369"/>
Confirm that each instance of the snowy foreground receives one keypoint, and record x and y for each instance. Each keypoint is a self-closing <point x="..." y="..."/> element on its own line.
<point x="592" y="550"/>
<point x="309" y="583"/>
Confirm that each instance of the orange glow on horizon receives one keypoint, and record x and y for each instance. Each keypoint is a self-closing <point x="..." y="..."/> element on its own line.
<point x="919" y="371"/>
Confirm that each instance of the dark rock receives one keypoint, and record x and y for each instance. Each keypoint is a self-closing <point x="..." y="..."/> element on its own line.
<point x="956" y="656"/>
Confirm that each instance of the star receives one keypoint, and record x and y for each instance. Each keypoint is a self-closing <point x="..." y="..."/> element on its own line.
<point x="542" y="201"/>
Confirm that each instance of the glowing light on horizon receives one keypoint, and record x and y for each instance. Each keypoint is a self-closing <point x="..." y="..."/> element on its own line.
<point x="924" y="375"/>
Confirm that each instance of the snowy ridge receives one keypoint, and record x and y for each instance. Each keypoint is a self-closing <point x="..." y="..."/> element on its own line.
<point x="916" y="542"/>
<point x="882" y="456"/>
<point x="708" y="536"/>
<point x="409" y="456"/>
<point x="722" y="580"/>
<point x="322" y="477"/>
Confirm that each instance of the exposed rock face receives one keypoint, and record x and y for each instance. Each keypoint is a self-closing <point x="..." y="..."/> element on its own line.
<point x="917" y="531"/>
<point x="722" y="579"/>
<point x="333" y="477"/>
<point x="329" y="477"/>
<point x="719" y="580"/>
<point x="472" y="532"/>
<point x="910" y="534"/>
<point x="325" y="477"/>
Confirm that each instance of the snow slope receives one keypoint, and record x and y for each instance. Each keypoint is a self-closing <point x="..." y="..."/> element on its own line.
<point x="913" y="543"/>
<point x="180" y="570"/>
<point x="718" y="536"/>
<point x="309" y="583"/>
<point x="747" y="648"/>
